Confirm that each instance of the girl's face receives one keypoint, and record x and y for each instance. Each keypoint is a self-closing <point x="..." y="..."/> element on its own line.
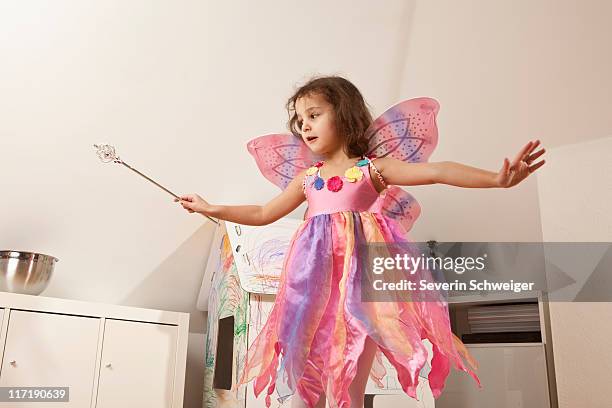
<point x="316" y="123"/>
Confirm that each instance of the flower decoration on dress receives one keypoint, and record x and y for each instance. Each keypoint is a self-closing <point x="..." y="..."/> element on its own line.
<point x="312" y="170"/>
<point x="353" y="174"/>
<point x="362" y="162"/>
<point x="334" y="184"/>
<point x="319" y="183"/>
<point x="318" y="164"/>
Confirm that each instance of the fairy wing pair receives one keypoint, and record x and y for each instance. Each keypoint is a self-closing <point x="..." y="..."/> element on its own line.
<point x="407" y="131"/>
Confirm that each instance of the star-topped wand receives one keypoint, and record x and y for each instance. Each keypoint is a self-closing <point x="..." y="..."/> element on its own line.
<point x="107" y="154"/>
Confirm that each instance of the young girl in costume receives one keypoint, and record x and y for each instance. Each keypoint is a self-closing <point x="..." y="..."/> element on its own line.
<point x="320" y="339"/>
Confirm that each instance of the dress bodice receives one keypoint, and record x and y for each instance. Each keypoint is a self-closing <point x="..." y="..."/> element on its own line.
<point x="341" y="193"/>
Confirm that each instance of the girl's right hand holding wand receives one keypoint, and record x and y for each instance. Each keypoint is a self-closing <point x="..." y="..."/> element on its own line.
<point x="278" y="207"/>
<point x="194" y="203"/>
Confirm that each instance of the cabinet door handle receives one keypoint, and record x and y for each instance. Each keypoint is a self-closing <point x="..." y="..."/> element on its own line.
<point x="109" y="365"/>
<point x="14" y="363"/>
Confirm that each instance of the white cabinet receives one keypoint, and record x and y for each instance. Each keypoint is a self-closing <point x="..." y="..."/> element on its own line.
<point x="514" y="357"/>
<point x="137" y="363"/>
<point x="512" y="376"/>
<point x="109" y="356"/>
<point x="50" y="350"/>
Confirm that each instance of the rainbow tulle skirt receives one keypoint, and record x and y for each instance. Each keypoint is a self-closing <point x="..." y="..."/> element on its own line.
<point x="319" y="323"/>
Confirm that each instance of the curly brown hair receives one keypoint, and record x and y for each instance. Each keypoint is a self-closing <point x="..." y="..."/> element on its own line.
<point x="352" y="114"/>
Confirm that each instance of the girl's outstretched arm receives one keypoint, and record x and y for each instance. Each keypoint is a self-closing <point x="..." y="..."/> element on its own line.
<point x="275" y="209"/>
<point x="456" y="174"/>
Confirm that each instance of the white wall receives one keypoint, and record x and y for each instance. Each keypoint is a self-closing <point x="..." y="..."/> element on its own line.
<point x="505" y="72"/>
<point x="575" y="195"/>
<point x="178" y="88"/>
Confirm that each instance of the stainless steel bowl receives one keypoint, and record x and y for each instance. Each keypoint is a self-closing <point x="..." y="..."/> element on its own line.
<point x="25" y="272"/>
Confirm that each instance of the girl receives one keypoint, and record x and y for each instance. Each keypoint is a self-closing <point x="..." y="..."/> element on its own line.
<point x="320" y="332"/>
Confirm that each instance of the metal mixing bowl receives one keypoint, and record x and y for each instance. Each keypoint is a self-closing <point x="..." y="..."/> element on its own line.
<point x="25" y="272"/>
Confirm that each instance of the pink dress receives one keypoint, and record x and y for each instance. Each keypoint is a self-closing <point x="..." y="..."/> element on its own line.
<point x="317" y="328"/>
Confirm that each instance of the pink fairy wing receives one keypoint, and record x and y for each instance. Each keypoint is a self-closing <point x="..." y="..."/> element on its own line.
<point x="407" y="131"/>
<point x="280" y="157"/>
<point x="401" y="206"/>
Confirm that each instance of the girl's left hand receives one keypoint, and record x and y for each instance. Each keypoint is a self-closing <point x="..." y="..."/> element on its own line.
<point x="513" y="173"/>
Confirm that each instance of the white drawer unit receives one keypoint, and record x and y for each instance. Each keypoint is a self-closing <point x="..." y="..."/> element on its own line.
<point x="50" y="350"/>
<point x="137" y="357"/>
<point x="109" y="356"/>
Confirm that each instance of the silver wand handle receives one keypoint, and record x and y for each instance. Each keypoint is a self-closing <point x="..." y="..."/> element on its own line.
<point x="106" y="153"/>
<point x="160" y="186"/>
<point x="150" y="179"/>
